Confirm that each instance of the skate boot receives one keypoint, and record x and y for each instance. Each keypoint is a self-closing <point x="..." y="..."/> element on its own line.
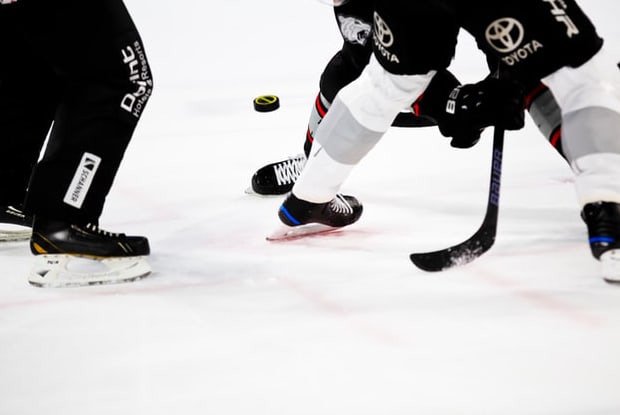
<point x="77" y="255"/>
<point x="278" y="178"/>
<point x="14" y="224"/>
<point x="603" y="222"/>
<point x="304" y="218"/>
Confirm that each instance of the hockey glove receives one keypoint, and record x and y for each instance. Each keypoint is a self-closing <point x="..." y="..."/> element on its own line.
<point x="463" y="111"/>
<point x="473" y="107"/>
<point x="432" y="105"/>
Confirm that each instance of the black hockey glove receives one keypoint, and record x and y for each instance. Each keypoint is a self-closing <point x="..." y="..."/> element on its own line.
<point x="473" y="107"/>
<point x="463" y="111"/>
<point x="432" y="105"/>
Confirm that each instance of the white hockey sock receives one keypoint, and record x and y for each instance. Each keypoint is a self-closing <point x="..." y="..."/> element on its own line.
<point x="321" y="177"/>
<point x="597" y="178"/>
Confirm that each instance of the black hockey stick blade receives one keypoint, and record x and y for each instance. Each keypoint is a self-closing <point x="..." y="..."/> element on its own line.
<point x="460" y="254"/>
<point x="481" y="241"/>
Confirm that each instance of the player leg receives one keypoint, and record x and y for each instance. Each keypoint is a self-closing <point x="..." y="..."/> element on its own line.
<point x="588" y="96"/>
<point x="97" y="52"/>
<point x="28" y="99"/>
<point x="547" y="115"/>
<point x="354" y="20"/>
<point x="363" y="111"/>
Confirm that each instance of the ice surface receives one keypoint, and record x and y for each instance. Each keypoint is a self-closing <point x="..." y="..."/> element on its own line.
<point x="344" y="324"/>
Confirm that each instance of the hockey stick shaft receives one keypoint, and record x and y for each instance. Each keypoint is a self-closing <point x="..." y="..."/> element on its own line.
<point x="484" y="238"/>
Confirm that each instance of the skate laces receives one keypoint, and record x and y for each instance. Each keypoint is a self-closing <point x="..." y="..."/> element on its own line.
<point x="96" y="229"/>
<point x="10" y="210"/>
<point x="340" y="205"/>
<point x="288" y="170"/>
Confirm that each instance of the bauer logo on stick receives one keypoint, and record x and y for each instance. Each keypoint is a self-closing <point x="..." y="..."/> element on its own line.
<point x="266" y="103"/>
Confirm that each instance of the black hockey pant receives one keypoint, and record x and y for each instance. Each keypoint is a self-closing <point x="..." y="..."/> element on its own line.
<point x="80" y="68"/>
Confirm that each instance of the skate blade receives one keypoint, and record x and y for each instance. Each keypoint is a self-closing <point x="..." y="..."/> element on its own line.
<point x="17" y="235"/>
<point x="251" y="192"/>
<point x="59" y="271"/>
<point x="610" y="266"/>
<point x="287" y="233"/>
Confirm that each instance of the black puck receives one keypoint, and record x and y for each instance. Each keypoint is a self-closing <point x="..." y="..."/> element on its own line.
<point x="266" y="103"/>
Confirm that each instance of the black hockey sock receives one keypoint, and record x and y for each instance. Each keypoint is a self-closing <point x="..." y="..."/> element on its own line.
<point x="547" y="115"/>
<point x="321" y="105"/>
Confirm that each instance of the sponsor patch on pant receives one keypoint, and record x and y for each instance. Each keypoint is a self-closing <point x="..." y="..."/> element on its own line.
<point x="83" y="178"/>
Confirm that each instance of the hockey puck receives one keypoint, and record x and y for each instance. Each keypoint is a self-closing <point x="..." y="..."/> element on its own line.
<point x="266" y="103"/>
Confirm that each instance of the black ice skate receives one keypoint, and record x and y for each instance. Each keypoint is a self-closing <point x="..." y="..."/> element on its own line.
<point x="74" y="255"/>
<point x="14" y="224"/>
<point x="603" y="222"/>
<point x="304" y="218"/>
<point x="278" y="178"/>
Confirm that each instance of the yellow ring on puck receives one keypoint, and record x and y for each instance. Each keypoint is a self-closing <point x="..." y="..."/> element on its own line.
<point x="266" y="103"/>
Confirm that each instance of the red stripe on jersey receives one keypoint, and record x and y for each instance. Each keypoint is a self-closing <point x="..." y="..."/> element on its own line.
<point x="319" y="106"/>
<point x="416" y="105"/>
<point x="555" y="137"/>
<point x="539" y="89"/>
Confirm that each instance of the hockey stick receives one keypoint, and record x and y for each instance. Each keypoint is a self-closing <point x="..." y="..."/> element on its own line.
<point x="483" y="239"/>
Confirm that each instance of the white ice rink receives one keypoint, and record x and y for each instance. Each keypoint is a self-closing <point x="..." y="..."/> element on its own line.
<point x="344" y="324"/>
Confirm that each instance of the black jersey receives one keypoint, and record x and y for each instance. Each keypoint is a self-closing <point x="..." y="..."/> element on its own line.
<point x="532" y="38"/>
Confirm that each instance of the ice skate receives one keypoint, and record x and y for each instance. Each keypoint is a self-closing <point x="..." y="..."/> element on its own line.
<point x="603" y="221"/>
<point x="73" y="255"/>
<point x="14" y="224"/>
<point x="277" y="178"/>
<point x="302" y="218"/>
